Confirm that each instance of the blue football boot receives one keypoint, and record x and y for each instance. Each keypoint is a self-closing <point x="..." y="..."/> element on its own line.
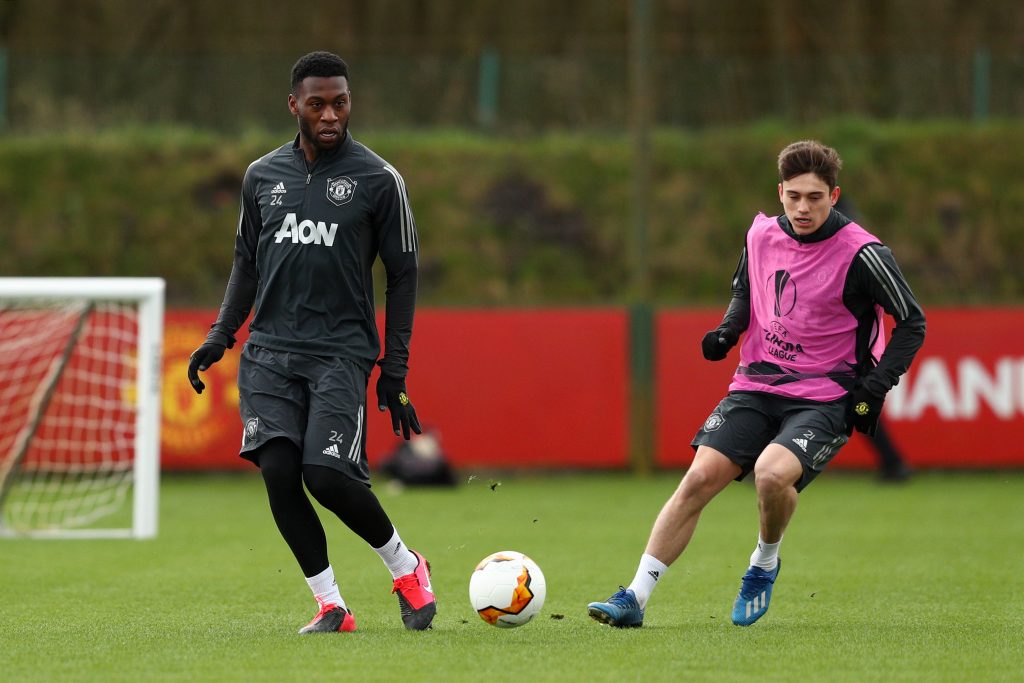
<point x="755" y="594"/>
<point x="621" y="610"/>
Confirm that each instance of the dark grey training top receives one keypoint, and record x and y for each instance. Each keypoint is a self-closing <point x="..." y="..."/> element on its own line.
<point x="306" y="242"/>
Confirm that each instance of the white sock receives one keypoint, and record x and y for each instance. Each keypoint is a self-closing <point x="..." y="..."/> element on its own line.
<point x="325" y="588"/>
<point x="650" y="571"/>
<point x="397" y="556"/>
<point x="765" y="555"/>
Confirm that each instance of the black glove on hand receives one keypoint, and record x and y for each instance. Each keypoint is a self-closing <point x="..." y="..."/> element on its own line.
<point x="716" y="344"/>
<point x="863" y="410"/>
<point x="391" y="396"/>
<point x="206" y="355"/>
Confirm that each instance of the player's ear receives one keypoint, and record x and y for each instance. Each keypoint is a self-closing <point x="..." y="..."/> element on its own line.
<point x="293" y="105"/>
<point x="780" y="192"/>
<point x="835" y="195"/>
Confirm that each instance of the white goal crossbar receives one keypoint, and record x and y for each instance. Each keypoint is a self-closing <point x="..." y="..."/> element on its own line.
<point x="80" y="372"/>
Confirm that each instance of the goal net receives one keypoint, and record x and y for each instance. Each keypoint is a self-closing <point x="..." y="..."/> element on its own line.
<point x="80" y="406"/>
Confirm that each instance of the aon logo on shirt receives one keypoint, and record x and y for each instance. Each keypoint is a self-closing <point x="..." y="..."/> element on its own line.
<point x="306" y="232"/>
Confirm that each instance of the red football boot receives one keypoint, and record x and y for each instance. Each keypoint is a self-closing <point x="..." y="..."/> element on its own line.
<point x="416" y="597"/>
<point x="330" y="619"/>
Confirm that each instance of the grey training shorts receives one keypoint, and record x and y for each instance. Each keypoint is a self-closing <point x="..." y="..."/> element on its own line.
<point x="745" y="422"/>
<point x="316" y="402"/>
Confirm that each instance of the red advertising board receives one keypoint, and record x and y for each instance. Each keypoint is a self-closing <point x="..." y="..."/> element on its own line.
<point x="962" y="401"/>
<point x="687" y="387"/>
<point x="548" y="388"/>
<point x="198" y="432"/>
<point x="504" y="388"/>
<point x="959" y="406"/>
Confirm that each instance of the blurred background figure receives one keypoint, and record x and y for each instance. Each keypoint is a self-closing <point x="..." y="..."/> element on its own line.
<point x="420" y="461"/>
<point x="891" y="465"/>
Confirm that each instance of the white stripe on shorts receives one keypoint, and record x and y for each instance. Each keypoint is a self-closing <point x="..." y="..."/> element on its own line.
<point x="357" y="440"/>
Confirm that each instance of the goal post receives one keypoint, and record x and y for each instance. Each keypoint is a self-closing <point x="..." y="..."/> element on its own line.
<point x="80" y="371"/>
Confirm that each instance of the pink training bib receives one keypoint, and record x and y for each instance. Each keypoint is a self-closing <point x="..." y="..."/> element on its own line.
<point x="801" y="336"/>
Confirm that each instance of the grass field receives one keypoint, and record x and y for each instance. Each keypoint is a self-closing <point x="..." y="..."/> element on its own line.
<point x="881" y="583"/>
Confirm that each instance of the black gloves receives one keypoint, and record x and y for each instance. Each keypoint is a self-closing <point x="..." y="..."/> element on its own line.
<point x="391" y="396"/>
<point x="716" y="344"/>
<point x="863" y="410"/>
<point x="206" y="355"/>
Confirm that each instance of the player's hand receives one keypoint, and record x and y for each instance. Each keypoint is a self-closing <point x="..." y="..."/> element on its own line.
<point x="201" y="359"/>
<point x="716" y="344"/>
<point x="391" y="396"/>
<point x="863" y="410"/>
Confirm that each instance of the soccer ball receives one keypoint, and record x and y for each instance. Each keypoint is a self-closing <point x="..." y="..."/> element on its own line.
<point x="507" y="589"/>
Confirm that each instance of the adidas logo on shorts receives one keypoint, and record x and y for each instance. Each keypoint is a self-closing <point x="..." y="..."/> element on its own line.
<point x="332" y="450"/>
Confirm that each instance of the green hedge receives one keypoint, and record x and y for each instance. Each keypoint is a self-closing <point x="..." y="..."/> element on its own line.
<point x="528" y="221"/>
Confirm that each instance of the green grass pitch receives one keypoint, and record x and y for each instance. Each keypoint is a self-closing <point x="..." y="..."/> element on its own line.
<point x="922" y="582"/>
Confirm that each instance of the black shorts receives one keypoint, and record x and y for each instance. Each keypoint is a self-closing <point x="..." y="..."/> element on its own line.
<point x="745" y="422"/>
<point x="316" y="402"/>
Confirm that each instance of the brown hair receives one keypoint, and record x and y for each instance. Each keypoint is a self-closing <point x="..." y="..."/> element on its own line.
<point x="810" y="156"/>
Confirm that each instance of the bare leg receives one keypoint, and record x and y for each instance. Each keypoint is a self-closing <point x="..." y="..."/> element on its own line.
<point x="775" y="474"/>
<point x="710" y="472"/>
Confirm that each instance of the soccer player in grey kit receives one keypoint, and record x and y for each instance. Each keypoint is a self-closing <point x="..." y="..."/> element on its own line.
<point x="315" y="214"/>
<point x="808" y="297"/>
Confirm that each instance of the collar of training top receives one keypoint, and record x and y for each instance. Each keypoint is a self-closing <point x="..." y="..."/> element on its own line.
<point x="833" y="224"/>
<point x="326" y="154"/>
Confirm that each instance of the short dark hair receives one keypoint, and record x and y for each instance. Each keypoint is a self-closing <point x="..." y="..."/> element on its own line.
<point x="810" y="156"/>
<point x="318" y="64"/>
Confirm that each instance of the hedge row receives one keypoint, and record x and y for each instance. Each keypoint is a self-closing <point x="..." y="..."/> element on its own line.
<point x="528" y="221"/>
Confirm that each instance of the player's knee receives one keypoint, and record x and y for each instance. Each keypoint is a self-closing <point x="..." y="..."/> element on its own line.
<point x="770" y="481"/>
<point x="280" y="464"/>
<point x="317" y="482"/>
<point x="697" y="484"/>
<point x="329" y="487"/>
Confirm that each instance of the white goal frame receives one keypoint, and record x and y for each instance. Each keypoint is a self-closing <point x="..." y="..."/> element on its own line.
<point x="148" y="294"/>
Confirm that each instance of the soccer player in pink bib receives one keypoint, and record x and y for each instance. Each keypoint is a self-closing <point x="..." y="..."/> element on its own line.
<point x="808" y="298"/>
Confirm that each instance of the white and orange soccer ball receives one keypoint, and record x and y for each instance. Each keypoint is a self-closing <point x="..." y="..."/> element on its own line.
<point x="507" y="589"/>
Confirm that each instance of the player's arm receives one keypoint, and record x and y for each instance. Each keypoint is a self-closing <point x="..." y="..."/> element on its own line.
<point x="239" y="294"/>
<point x="716" y="344"/>
<point x="875" y="273"/>
<point x="874" y="278"/>
<point x="398" y="247"/>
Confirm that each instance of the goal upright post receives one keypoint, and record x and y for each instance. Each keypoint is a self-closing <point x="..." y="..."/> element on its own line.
<point x="146" y="500"/>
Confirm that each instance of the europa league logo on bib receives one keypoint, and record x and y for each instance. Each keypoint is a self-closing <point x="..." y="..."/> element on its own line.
<point x="782" y="285"/>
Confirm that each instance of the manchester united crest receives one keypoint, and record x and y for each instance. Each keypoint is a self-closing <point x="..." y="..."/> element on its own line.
<point x="713" y="422"/>
<point x="251" y="427"/>
<point x="340" y="190"/>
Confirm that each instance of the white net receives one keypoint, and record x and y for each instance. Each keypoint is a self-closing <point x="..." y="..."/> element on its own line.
<point x="68" y="387"/>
